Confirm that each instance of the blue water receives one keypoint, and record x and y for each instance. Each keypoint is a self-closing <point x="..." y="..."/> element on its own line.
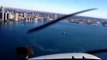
<point x="76" y="38"/>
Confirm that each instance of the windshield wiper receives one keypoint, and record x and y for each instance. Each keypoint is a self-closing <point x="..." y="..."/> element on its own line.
<point x="56" y="20"/>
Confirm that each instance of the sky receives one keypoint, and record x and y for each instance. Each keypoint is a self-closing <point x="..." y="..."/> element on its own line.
<point x="61" y="6"/>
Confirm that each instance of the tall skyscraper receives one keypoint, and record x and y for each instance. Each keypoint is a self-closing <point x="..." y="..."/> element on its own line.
<point x="5" y="16"/>
<point x="2" y="12"/>
<point x="0" y="16"/>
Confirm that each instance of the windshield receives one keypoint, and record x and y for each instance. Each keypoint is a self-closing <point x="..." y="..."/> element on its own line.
<point x="78" y="32"/>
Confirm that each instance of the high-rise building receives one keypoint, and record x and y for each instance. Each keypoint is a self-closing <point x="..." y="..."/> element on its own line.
<point x="0" y="16"/>
<point x="2" y="13"/>
<point x="5" y="16"/>
<point x="2" y="10"/>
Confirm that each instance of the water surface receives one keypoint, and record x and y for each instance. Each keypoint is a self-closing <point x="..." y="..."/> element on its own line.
<point x="62" y="37"/>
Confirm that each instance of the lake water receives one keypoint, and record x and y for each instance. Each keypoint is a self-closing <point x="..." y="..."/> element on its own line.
<point x="61" y="37"/>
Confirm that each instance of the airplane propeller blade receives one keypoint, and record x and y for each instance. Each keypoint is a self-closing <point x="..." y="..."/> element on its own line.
<point x="56" y="20"/>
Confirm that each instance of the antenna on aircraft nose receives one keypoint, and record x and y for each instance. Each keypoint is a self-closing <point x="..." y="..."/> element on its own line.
<point x="24" y="52"/>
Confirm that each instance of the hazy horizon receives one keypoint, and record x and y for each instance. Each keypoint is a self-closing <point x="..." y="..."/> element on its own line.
<point x="60" y="6"/>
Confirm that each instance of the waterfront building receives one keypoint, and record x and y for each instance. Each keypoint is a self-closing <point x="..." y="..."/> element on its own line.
<point x="5" y="16"/>
<point x="10" y="16"/>
<point x="16" y="16"/>
<point x="56" y="16"/>
<point x="0" y="16"/>
<point x="2" y="10"/>
<point x="24" y="15"/>
<point x="2" y="13"/>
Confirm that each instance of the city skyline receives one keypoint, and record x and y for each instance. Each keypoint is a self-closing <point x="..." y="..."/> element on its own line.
<point x="60" y="6"/>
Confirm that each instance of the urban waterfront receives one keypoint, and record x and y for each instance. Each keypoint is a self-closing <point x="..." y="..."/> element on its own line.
<point x="8" y="14"/>
<point x="76" y="38"/>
